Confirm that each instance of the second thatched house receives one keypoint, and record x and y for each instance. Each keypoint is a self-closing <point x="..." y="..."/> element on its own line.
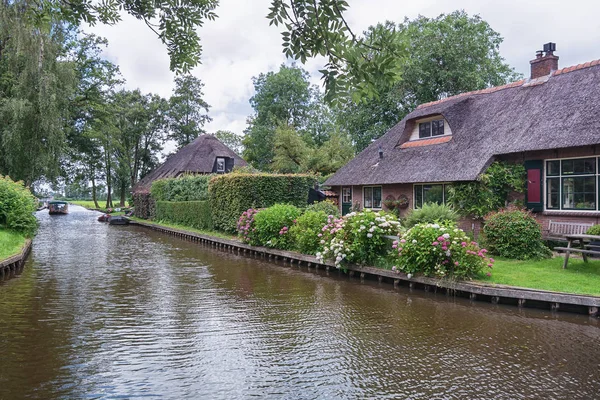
<point x="548" y="122"/>
<point x="205" y="155"/>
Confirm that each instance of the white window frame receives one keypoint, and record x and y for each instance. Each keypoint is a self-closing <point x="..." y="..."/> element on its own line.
<point x="444" y="200"/>
<point x="560" y="177"/>
<point x="431" y="128"/>
<point x="224" y="166"/>
<point x="342" y="200"/>
<point x="363" y="197"/>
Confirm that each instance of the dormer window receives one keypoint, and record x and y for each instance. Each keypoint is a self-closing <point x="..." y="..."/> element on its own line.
<point x="220" y="164"/>
<point x="431" y="128"/>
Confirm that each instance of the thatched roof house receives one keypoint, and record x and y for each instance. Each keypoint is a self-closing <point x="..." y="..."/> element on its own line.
<point x="548" y="121"/>
<point x="205" y="155"/>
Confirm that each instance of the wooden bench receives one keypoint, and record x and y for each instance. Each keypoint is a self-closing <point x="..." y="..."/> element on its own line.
<point x="559" y="230"/>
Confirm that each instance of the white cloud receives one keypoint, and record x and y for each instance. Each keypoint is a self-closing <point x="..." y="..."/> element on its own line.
<point x="240" y="44"/>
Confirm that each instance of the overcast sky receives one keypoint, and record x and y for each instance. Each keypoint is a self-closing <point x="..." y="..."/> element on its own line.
<point x="240" y="44"/>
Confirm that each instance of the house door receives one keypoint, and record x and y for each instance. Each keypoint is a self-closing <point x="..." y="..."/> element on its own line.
<point x="346" y="200"/>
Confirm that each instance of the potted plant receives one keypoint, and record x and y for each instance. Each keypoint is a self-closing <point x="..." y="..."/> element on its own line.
<point x="594" y="244"/>
<point x="390" y="202"/>
<point x="402" y="201"/>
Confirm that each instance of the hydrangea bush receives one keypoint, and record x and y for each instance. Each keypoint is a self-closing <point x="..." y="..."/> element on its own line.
<point x="442" y="251"/>
<point x="245" y="226"/>
<point x="306" y="230"/>
<point x="272" y="226"/>
<point x="357" y="238"/>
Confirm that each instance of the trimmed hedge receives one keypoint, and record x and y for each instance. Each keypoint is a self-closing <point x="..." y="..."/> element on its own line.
<point x="17" y="206"/>
<point x="184" y="188"/>
<point x="195" y="214"/>
<point x="234" y="193"/>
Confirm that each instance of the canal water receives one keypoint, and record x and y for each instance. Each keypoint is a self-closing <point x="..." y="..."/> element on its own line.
<point x="121" y="312"/>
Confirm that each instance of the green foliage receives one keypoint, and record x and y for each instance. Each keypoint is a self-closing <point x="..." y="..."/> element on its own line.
<point x="187" y="110"/>
<point x="357" y="237"/>
<point x="514" y="233"/>
<point x="17" y="206"/>
<point x="245" y="226"/>
<point x="594" y="230"/>
<point x="234" y="193"/>
<point x="305" y="231"/>
<point x="439" y="250"/>
<point x="231" y="140"/>
<point x="431" y="213"/>
<point x="290" y="152"/>
<point x="195" y="214"/>
<point x="326" y="206"/>
<point x="184" y="188"/>
<point x="144" y="205"/>
<point x="273" y="226"/>
<point x="490" y="192"/>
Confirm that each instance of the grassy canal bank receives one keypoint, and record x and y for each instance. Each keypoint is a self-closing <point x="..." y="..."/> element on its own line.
<point x="11" y="244"/>
<point x="579" y="278"/>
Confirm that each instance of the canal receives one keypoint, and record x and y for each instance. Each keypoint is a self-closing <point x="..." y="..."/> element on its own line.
<point x="122" y="312"/>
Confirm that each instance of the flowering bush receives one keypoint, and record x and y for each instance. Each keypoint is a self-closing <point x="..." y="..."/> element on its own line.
<point x="436" y="250"/>
<point x="245" y="225"/>
<point x="514" y="233"/>
<point x="357" y="237"/>
<point x="305" y="232"/>
<point x="272" y="226"/>
<point x="327" y="206"/>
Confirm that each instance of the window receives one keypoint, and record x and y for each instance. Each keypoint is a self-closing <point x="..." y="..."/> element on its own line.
<point x="220" y="164"/>
<point x="435" y="193"/>
<point x="572" y="184"/>
<point x="347" y="195"/>
<point x="431" y="128"/>
<point x="372" y="197"/>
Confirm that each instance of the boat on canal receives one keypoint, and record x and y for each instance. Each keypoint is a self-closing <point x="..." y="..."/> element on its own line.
<point x="58" y="207"/>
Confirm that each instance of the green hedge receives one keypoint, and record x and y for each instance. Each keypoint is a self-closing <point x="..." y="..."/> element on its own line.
<point x="184" y="188"/>
<point x="195" y="214"/>
<point x="234" y="193"/>
<point x="17" y="206"/>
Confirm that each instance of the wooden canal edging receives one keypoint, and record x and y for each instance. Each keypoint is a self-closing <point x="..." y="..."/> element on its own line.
<point x="14" y="263"/>
<point x="496" y="294"/>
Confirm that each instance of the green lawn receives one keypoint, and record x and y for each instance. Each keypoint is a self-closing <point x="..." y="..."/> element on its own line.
<point x="221" y="235"/>
<point x="10" y="244"/>
<point x="579" y="277"/>
<point x="91" y="206"/>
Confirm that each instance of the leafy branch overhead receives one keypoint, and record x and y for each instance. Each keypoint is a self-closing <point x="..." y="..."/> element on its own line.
<point x="354" y="63"/>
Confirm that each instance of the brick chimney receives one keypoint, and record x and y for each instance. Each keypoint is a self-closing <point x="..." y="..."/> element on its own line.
<point x="545" y="61"/>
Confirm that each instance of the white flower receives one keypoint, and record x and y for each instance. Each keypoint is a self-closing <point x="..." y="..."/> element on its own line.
<point x="369" y="235"/>
<point x="436" y="226"/>
<point x="362" y="227"/>
<point x="446" y="235"/>
<point x="322" y="242"/>
<point x="448" y="253"/>
<point x="414" y="241"/>
<point x="409" y="276"/>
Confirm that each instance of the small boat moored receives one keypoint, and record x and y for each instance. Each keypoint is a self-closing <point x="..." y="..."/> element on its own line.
<point x="118" y="220"/>
<point x="58" y="207"/>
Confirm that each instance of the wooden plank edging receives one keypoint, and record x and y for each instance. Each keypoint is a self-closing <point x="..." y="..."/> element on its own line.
<point x="17" y="260"/>
<point x="519" y="295"/>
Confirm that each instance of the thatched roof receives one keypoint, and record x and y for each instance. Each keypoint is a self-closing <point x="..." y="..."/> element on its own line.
<point x="552" y="112"/>
<point x="198" y="157"/>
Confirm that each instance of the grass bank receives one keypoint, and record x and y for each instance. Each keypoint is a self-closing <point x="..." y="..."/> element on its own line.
<point x="91" y="206"/>
<point x="578" y="278"/>
<point x="11" y="244"/>
<point x="218" y="234"/>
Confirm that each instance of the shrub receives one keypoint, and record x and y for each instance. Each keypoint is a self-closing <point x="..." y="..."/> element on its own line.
<point x="245" y="226"/>
<point x="272" y="226"/>
<point x="17" y="206"/>
<point x="195" y="214"/>
<point x="235" y="193"/>
<point x="514" y="233"/>
<point x="144" y="205"/>
<point x="438" y="250"/>
<point x="431" y="213"/>
<point x="594" y="230"/>
<point x="184" y="188"/>
<point x="305" y="231"/>
<point x="357" y="237"/>
<point x="326" y="206"/>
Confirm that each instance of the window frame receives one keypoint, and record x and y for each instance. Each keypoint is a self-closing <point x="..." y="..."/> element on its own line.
<point x="224" y="164"/>
<point x="431" y="122"/>
<point x="444" y="186"/>
<point x="560" y="177"/>
<point x="373" y="197"/>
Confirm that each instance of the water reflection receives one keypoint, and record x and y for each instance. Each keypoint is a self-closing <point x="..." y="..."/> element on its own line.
<point x="103" y="312"/>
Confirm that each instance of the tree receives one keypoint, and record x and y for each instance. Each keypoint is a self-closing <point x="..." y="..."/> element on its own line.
<point x="187" y="110"/>
<point x="290" y="151"/>
<point x="450" y="54"/>
<point x="231" y="140"/>
<point x="36" y="83"/>
<point x="332" y="155"/>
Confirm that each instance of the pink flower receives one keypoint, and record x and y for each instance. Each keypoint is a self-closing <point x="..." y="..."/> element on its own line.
<point x="403" y="241"/>
<point x="488" y="274"/>
<point x="464" y="244"/>
<point x="319" y="235"/>
<point x="435" y="243"/>
<point x="490" y="265"/>
<point x="444" y="248"/>
<point x="492" y="260"/>
<point x="456" y="263"/>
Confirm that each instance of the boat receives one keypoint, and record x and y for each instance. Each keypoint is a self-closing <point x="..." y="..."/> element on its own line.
<point x="58" y="207"/>
<point x="118" y="220"/>
<point x="104" y="218"/>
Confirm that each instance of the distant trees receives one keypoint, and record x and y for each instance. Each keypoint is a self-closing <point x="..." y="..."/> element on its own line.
<point x="188" y="112"/>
